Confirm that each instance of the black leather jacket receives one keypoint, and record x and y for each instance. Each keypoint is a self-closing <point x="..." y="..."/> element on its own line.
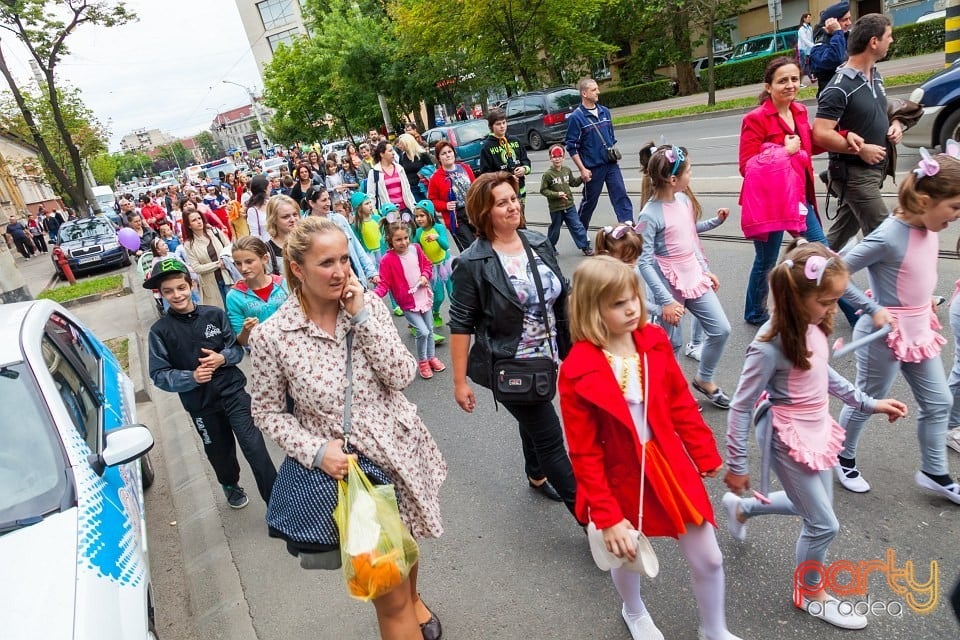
<point x="485" y="305"/>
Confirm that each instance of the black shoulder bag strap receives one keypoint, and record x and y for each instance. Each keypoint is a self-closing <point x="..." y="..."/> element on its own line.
<point x="535" y="272"/>
<point x="376" y="189"/>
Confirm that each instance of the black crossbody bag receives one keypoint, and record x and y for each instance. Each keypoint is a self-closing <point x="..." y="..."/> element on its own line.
<point x="527" y="380"/>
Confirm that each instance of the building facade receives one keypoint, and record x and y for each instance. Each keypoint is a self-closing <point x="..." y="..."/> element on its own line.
<point x="23" y="187"/>
<point x="144" y="139"/>
<point x="268" y="24"/>
<point x="230" y="127"/>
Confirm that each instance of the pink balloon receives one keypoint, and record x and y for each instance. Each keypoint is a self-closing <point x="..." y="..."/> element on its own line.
<point x="128" y="239"/>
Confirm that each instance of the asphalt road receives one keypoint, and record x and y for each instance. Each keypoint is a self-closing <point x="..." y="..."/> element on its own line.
<point x="514" y="565"/>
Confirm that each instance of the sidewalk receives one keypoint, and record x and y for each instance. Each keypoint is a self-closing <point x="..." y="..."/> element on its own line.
<point x="900" y="66"/>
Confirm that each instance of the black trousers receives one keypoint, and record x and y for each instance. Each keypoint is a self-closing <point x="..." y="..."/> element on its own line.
<point x="40" y="242"/>
<point x="221" y="430"/>
<point x="24" y="246"/>
<point x="543" y="452"/>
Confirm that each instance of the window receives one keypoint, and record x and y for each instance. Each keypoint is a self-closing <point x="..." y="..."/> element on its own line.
<point x="284" y="37"/>
<point x="515" y="108"/>
<point x="533" y="106"/>
<point x="76" y="394"/>
<point x="276" y="13"/>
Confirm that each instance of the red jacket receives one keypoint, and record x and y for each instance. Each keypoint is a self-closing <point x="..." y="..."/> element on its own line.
<point x="438" y="190"/>
<point x="604" y="445"/>
<point x="764" y="124"/>
<point x="393" y="280"/>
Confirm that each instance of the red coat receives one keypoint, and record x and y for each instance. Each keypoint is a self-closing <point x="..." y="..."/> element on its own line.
<point x="764" y="124"/>
<point x="438" y="190"/>
<point x="603" y="441"/>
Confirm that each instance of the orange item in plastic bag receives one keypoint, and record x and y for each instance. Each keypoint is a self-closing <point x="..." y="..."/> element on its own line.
<point x="374" y="574"/>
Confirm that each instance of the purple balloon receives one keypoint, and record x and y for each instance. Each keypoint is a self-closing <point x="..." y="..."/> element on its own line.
<point x="128" y="239"/>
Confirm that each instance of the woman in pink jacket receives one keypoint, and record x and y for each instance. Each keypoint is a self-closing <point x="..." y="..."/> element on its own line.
<point x="779" y="121"/>
<point x="405" y="273"/>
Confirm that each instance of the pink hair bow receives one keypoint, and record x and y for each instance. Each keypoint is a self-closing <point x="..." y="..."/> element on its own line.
<point x="927" y="166"/>
<point x="814" y="268"/>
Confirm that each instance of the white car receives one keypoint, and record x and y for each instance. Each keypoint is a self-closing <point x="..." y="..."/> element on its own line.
<point x="271" y="166"/>
<point x="73" y="542"/>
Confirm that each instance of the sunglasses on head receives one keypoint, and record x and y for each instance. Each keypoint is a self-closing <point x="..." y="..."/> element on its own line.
<point x="620" y="230"/>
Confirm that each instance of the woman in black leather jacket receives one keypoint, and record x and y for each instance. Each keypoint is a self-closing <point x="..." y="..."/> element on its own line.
<point x="495" y="300"/>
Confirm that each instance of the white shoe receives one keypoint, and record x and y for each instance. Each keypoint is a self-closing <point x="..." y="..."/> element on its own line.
<point x="953" y="439"/>
<point x="951" y="491"/>
<point x="852" y="479"/>
<point x="641" y="628"/>
<point x="693" y="351"/>
<point x="737" y="529"/>
<point x="829" y="612"/>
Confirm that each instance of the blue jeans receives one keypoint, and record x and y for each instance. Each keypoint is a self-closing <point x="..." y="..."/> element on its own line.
<point x="758" y="285"/>
<point x="577" y="232"/>
<point x="422" y="323"/>
<point x="610" y="175"/>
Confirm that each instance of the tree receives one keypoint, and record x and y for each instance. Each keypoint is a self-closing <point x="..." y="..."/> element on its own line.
<point x="43" y="27"/>
<point x="88" y="133"/>
<point x="209" y="146"/>
<point x="104" y="168"/>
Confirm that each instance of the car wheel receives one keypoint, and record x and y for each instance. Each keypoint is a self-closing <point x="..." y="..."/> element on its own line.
<point x="536" y="140"/>
<point x="126" y="259"/>
<point x="147" y="473"/>
<point x="950" y="129"/>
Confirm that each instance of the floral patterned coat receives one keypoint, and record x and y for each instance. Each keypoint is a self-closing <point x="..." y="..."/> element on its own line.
<point x="293" y="355"/>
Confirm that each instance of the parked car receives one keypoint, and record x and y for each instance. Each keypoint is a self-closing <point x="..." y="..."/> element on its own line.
<point x="940" y="97"/>
<point x="763" y="45"/>
<point x="90" y="243"/>
<point x="271" y="166"/>
<point x="700" y="64"/>
<point x="539" y="118"/>
<point x="466" y="137"/>
<point x="73" y="466"/>
<point x="340" y="147"/>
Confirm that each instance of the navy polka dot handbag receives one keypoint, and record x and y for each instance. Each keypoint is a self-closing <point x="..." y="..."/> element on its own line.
<point x="303" y="499"/>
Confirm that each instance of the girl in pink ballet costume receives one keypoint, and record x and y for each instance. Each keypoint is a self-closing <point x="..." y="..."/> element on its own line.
<point x="673" y="265"/>
<point x="901" y="261"/>
<point x="784" y="389"/>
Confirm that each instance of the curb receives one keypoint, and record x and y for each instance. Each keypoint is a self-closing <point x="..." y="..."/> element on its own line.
<point x="217" y="601"/>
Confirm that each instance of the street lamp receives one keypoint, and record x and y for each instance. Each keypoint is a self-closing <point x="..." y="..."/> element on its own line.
<point x="255" y="108"/>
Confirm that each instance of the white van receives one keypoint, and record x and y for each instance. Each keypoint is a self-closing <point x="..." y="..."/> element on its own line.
<point x="105" y="198"/>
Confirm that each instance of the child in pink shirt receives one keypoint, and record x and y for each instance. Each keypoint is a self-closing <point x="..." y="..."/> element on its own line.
<point x="405" y="273"/>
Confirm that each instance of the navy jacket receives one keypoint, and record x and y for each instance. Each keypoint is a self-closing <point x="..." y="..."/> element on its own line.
<point x="589" y="136"/>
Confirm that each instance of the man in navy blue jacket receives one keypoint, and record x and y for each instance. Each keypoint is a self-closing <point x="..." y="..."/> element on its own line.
<point x="591" y="145"/>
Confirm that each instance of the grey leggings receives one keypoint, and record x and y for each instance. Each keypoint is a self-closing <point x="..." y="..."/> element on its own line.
<point x="422" y="323"/>
<point x="806" y="493"/>
<point x="876" y="369"/>
<point x="709" y="312"/>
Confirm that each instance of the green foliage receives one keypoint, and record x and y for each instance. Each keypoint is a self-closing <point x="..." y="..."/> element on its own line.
<point x="750" y="71"/>
<point x="132" y="164"/>
<point x="917" y="39"/>
<point x="104" y="168"/>
<point x="209" y="146"/>
<point x="648" y="92"/>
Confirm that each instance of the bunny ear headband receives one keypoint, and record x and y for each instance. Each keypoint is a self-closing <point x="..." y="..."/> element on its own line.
<point x="621" y="229"/>
<point x="928" y="165"/>
<point x="675" y="155"/>
<point x="393" y="217"/>
<point x="813" y="268"/>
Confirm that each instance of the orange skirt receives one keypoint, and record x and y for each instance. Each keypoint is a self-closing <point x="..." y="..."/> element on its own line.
<point x="664" y="495"/>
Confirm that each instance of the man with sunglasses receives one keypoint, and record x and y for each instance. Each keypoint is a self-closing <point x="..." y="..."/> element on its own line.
<point x="591" y="144"/>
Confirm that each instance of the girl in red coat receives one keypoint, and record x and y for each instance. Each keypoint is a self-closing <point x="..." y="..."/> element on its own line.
<point x="616" y="356"/>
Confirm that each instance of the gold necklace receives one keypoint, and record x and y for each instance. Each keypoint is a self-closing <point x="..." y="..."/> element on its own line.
<point x="623" y="376"/>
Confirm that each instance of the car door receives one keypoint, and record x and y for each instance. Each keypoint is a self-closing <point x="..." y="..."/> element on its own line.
<point x="516" y="126"/>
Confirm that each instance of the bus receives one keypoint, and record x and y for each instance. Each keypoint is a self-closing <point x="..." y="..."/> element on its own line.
<point x="213" y="169"/>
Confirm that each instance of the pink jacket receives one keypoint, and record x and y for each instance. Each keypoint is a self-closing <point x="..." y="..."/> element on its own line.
<point x="393" y="280"/>
<point x="772" y="197"/>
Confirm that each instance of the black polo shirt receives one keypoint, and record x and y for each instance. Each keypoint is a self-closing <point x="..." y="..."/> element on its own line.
<point x="857" y="105"/>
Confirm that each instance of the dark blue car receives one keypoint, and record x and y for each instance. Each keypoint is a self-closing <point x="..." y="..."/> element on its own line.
<point x="91" y="243"/>
<point x="940" y="97"/>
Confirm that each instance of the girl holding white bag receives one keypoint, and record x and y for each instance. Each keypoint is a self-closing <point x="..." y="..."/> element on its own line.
<point x="622" y="447"/>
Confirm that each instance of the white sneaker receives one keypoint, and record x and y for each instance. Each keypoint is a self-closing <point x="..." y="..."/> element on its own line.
<point x="852" y="479"/>
<point x="693" y="351"/>
<point x="737" y="529"/>
<point x="951" y="491"/>
<point x="829" y="612"/>
<point x="953" y="439"/>
<point x="641" y="628"/>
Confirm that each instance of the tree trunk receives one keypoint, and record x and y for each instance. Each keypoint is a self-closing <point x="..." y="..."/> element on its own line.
<point x="680" y="30"/>
<point x="711" y="84"/>
<point x="77" y="193"/>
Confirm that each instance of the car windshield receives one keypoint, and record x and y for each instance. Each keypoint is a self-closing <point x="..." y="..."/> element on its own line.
<point x="32" y="478"/>
<point x="751" y="47"/>
<point x="90" y="228"/>
<point x="563" y="100"/>
<point x="471" y="132"/>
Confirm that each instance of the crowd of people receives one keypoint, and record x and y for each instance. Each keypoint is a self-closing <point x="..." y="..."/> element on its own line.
<point x="306" y="281"/>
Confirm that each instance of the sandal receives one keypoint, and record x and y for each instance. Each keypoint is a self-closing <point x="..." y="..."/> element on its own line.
<point x="717" y="397"/>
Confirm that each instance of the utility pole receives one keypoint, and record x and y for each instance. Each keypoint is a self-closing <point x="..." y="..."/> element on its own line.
<point x="951" y="45"/>
<point x="256" y="112"/>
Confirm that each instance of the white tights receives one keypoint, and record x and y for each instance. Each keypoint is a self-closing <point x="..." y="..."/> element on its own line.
<point x="699" y="546"/>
